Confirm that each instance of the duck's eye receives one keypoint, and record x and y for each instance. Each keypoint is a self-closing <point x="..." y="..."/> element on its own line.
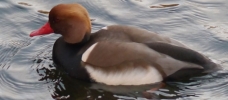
<point x="55" y="21"/>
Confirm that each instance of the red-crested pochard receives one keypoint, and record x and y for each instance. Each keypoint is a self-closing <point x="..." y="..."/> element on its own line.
<point x="117" y="54"/>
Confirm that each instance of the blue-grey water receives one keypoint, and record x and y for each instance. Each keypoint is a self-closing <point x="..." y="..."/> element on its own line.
<point x="27" y="71"/>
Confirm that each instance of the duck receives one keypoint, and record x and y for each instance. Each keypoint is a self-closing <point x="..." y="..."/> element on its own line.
<point x="117" y="54"/>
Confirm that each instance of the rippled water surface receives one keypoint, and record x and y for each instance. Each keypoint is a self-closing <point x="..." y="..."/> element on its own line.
<point x="26" y="67"/>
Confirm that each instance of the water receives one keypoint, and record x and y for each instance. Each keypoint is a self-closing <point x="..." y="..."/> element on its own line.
<point x="26" y="67"/>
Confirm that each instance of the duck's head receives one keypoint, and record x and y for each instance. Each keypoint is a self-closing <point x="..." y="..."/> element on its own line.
<point x="70" y="20"/>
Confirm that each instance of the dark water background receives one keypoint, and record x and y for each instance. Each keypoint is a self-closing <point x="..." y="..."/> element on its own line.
<point x="26" y="67"/>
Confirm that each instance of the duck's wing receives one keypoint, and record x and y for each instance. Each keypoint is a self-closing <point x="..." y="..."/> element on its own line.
<point x="183" y="54"/>
<point x="105" y="54"/>
<point x="126" y="62"/>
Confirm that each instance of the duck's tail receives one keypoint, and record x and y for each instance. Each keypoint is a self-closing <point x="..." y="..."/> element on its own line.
<point x="210" y="66"/>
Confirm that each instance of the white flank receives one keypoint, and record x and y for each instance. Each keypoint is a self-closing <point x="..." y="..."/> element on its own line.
<point x="87" y="52"/>
<point x="136" y="76"/>
<point x="105" y="28"/>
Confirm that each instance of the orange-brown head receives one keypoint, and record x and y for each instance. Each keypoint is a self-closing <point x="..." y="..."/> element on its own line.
<point x="70" y="20"/>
